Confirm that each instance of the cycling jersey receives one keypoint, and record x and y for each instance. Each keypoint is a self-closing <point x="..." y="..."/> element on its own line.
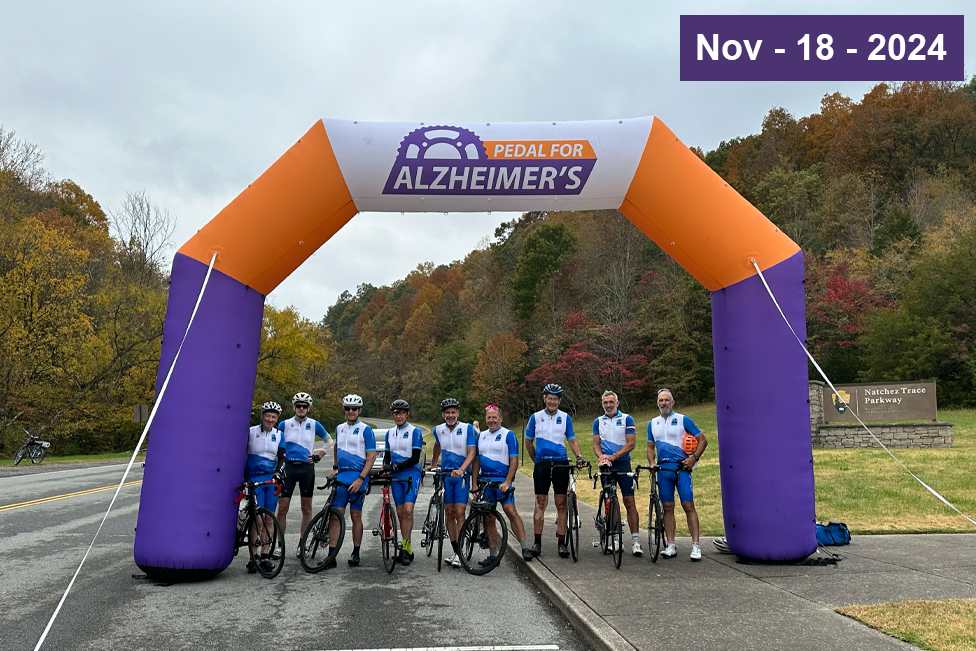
<point x="455" y="443"/>
<point x="495" y="452"/>
<point x="613" y="431"/>
<point x="298" y="438"/>
<point x="352" y="444"/>
<point x="550" y="433"/>
<point x="669" y="435"/>
<point x="402" y="441"/>
<point x="262" y="452"/>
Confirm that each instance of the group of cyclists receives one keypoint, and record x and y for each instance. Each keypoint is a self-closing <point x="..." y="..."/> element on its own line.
<point x="286" y="452"/>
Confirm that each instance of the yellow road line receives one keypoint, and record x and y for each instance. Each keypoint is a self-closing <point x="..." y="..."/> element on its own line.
<point x="10" y="507"/>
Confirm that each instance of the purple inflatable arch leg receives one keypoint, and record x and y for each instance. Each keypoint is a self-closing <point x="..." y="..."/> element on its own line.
<point x="198" y="442"/>
<point x="762" y="401"/>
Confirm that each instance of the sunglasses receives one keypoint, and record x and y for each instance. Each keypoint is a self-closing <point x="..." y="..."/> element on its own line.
<point x="301" y="406"/>
<point x="351" y="408"/>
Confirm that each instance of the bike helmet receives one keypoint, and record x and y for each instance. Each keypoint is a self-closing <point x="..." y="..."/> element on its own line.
<point x="554" y="389"/>
<point x="447" y="403"/>
<point x="271" y="406"/>
<point x="400" y="404"/>
<point x="352" y="400"/>
<point x="301" y="396"/>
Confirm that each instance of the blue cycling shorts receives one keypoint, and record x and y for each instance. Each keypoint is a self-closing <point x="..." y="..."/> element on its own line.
<point x="456" y="490"/>
<point x="493" y="494"/>
<point x="666" y="484"/>
<point x="404" y="492"/>
<point x="342" y="493"/>
<point x="265" y="494"/>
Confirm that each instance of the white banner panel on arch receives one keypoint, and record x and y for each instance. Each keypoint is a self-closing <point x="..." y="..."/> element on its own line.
<point x="511" y="166"/>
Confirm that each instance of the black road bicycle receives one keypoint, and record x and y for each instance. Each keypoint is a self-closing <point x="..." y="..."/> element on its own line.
<point x="572" y="506"/>
<point x="608" y="520"/>
<point x="33" y="448"/>
<point x="655" y="510"/>
<point x="258" y="528"/>
<point x="322" y="539"/>
<point x="483" y="537"/>
<point x="435" y="528"/>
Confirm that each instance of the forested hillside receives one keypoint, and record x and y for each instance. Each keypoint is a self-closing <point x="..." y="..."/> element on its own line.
<point x="878" y="192"/>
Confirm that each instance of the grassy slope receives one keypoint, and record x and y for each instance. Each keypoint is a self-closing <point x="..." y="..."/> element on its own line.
<point x="863" y="487"/>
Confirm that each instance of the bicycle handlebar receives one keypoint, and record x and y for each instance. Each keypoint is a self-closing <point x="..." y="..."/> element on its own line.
<point x="616" y="473"/>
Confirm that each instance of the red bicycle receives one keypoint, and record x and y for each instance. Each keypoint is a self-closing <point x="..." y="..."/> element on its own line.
<point x="387" y="527"/>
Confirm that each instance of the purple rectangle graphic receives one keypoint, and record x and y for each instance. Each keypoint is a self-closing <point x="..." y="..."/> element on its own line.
<point x="822" y="48"/>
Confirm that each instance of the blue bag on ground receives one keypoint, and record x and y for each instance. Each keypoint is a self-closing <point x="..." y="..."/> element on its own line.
<point x="833" y="533"/>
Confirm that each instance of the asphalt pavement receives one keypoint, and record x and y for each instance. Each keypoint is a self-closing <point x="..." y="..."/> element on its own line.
<point x="719" y="603"/>
<point x="346" y="608"/>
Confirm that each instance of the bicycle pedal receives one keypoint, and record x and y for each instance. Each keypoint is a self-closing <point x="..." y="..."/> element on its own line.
<point x="423" y="543"/>
<point x="596" y="543"/>
<point x="376" y="532"/>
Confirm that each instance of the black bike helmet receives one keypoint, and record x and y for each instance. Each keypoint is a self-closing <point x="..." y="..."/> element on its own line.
<point x="554" y="389"/>
<point x="400" y="404"/>
<point x="447" y="403"/>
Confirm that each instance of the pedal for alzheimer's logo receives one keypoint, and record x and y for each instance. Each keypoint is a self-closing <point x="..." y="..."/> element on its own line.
<point x="455" y="161"/>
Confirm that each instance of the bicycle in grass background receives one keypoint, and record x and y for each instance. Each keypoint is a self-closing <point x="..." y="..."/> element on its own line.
<point x="483" y="537"/>
<point x="323" y="537"/>
<point x="608" y="520"/>
<point x="572" y="506"/>
<point x="258" y="529"/>
<point x="33" y="448"/>
<point x="435" y="529"/>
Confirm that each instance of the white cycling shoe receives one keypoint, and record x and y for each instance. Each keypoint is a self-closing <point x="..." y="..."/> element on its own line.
<point x="669" y="551"/>
<point x="695" y="552"/>
<point x="637" y="549"/>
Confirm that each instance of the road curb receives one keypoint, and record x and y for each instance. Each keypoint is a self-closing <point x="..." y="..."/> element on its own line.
<point x="594" y="630"/>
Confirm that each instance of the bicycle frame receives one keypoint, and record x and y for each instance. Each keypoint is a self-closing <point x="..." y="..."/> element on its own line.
<point x="610" y="505"/>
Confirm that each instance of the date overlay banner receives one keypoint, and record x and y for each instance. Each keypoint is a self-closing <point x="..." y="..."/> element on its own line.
<point x="822" y="48"/>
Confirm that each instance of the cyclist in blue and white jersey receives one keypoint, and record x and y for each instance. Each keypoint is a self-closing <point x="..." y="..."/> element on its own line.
<point x="355" y="452"/>
<point x="403" y="445"/>
<point x="614" y="436"/>
<point x="262" y="463"/>
<point x="298" y="436"/>
<point x="498" y="460"/>
<point x="457" y="443"/>
<point x="547" y="434"/>
<point x="678" y="444"/>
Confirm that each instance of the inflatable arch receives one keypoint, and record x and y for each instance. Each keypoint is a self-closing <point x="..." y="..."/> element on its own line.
<point x="187" y="515"/>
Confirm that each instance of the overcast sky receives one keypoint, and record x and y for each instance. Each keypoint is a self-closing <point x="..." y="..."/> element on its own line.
<point x="191" y="100"/>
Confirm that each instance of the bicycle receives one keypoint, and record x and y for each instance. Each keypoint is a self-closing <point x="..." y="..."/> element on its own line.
<point x="434" y="526"/>
<point x="324" y="533"/>
<point x="609" y="523"/>
<point x="387" y="526"/>
<point x="258" y="528"/>
<point x="655" y="510"/>
<point x="484" y="531"/>
<point x="33" y="448"/>
<point x="572" y="506"/>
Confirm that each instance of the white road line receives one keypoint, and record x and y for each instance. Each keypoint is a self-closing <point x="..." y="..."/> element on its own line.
<point x="541" y="647"/>
<point x="54" y="472"/>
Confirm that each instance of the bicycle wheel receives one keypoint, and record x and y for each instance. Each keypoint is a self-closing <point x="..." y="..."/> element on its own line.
<point x="266" y="542"/>
<point x="601" y="520"/>
<point x="441" y="534"/>
<point x="615" y="532"/>
<point x="324" y="533"/>
<point x="572" y="526"/>
<point x="430" y="526"/>
<point x="655" y="526"/>
<point x="388" y="530"/>
<point x="20" y="454"/>
<point x="484" y="538"/>
<point x="37" y="453"/>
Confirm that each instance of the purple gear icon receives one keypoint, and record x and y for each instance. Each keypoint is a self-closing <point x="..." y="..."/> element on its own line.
<point x="440" y="143"/>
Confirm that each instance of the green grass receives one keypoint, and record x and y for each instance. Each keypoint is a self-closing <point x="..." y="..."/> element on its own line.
<point x="863" y="487"/>
<point x="936" y="625"/>
<point x="77" y="458"/>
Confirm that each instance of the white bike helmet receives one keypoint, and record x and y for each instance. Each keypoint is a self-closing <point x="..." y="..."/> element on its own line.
<point x="352" y="400"/>
<point x="301" y="396"/>
<point x="271" y="406"/>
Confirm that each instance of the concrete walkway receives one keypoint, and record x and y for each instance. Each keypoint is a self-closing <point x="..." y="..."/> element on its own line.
<point x="718" y="603"/>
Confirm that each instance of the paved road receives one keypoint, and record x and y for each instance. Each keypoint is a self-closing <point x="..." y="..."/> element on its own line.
<point x="346" y="608"/>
